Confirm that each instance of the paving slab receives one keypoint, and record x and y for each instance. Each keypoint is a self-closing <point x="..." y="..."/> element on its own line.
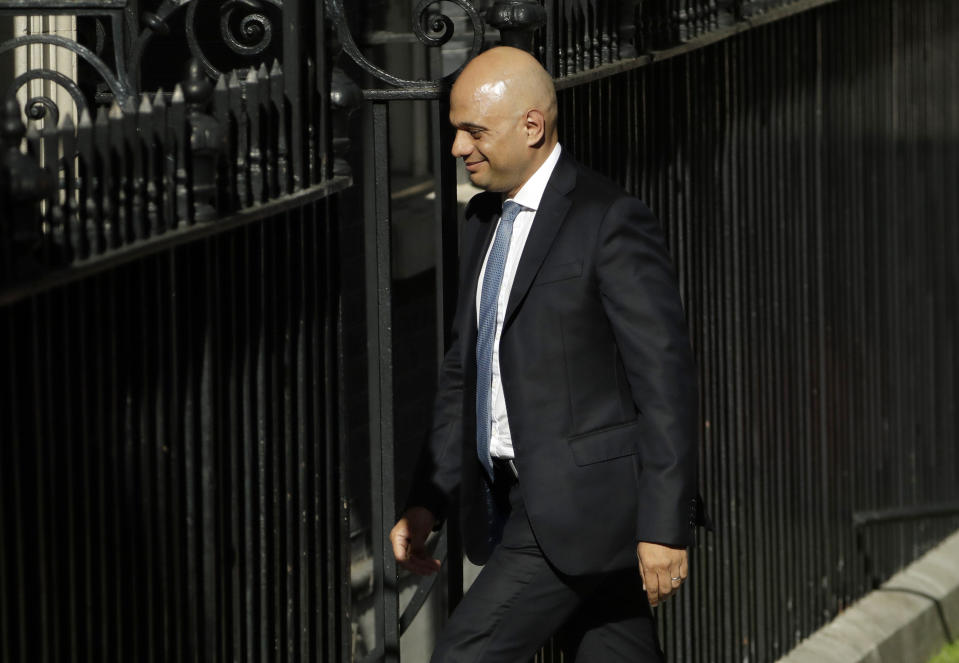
<point x="907" y="620"/>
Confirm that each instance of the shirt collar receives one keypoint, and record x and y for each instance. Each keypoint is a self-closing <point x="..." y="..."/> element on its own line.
<point x="531" y="193"/>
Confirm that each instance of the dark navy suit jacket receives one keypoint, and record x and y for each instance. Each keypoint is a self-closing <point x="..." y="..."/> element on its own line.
<point x="598" y="378"/>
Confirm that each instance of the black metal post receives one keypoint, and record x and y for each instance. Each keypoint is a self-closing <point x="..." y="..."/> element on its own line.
<point x="380" y="367"/>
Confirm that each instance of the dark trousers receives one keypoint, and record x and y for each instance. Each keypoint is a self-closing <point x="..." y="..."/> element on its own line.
<point x="519" y="600"/>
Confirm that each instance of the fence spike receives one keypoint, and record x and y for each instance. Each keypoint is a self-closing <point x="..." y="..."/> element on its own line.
<point x="68" y="148"/>
<point x="89" y="215"/>
<point x="254" y="95"/>
<point x="103" y="192"/>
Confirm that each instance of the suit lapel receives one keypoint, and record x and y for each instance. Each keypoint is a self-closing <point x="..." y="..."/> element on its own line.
<point x="484" y="208"/>
<point x="546" y="224"/>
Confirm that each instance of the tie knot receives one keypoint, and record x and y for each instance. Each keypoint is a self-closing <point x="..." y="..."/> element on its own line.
<point x="510" y="209"/>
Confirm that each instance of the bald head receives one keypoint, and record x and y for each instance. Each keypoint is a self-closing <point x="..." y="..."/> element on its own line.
<point x="503" y="106"/>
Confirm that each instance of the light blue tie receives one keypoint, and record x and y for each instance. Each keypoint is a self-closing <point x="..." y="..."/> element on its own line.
<point x="486" y="330"/>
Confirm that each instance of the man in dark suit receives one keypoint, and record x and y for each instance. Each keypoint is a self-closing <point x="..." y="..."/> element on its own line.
<point x="566" y="413"/>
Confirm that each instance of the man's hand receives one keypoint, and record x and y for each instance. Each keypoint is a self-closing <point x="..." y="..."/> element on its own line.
<point x="663" y="570"/>
<point x="408" y="537"/>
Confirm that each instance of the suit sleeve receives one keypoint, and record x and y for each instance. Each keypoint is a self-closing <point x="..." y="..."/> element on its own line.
<point x="641" y="299"/>
<point x="438" y="469"/>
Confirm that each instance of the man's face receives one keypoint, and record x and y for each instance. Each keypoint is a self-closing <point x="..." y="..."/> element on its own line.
<point x="490" y="136"/>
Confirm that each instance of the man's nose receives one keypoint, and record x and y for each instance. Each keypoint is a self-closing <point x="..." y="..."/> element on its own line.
<point x="461" y="146"/>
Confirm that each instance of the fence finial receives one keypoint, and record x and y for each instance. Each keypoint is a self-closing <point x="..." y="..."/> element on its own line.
<point x="516" y="21"/>
<point x="207" y="141"/>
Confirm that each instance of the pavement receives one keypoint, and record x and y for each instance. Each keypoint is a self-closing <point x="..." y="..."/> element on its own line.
<point x="907" y="620"/>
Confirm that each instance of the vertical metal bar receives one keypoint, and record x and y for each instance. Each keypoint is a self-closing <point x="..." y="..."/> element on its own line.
<point x="293" y="89"/>
<point x="191" y="444"/>
<point x="247" y="319"/>
<point x="446" y="236"/>
<point x="233" y="591"/>
<point x="9" y="583"/>
<point x="338" y="454"/>
<point x="290" y="377"/>
<point x="264" y="438"/>
<point x="322" y="87"/>
<point x="380" y="360"/>
<point x="209" y="475"/>
<point x="307" y="412"/>
<point x="147" y="512"/>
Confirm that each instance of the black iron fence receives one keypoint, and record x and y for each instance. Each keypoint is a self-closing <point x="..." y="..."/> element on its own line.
<point x="803" y="172"/>
<point x="170" y="378"/>
<point x="203" y="327"/>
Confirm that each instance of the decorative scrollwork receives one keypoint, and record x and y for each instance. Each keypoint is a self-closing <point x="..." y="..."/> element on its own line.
<point x="440" y="28"/>
<point x="246" y="28"/>
<point x="431" y="29"/>
<point x="120" y="88"/>
<point x="252" y="33"/>
<point x="40" y="106"/>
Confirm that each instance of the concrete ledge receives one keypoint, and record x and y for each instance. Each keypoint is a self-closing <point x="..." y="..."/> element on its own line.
<point x="907" y="620"/>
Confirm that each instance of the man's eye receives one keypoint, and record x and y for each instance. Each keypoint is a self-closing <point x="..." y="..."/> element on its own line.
<point x="476" y="134"/>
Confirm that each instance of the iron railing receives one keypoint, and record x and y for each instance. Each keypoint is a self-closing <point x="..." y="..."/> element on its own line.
<point x="140" y="168"/>
<point x="169" y="324"/>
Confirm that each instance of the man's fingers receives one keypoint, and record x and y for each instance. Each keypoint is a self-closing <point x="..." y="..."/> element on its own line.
<point x="666" y="585"/>
<point x="652" y="589"/>
<point x="410" y="554"/>
<point x="400" y="538"/>
<point x="663" y="569"/>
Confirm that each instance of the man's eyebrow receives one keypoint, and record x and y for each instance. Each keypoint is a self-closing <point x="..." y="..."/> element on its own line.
<point x="469" y="126"/>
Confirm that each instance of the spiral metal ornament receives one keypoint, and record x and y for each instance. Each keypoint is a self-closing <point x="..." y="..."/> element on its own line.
<point x="440" y="28"/>
<point x="431" y="29"/>
<point x="118" y="86"/>
<point x="40" y="106"/>
<point x="255" y="30"/>
<point x="248" y="34"/>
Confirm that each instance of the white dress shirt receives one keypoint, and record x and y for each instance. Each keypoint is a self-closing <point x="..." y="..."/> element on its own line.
<point x="529" y="196"/>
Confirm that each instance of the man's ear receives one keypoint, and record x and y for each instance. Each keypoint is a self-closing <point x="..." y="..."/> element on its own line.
<point x="535" y="128"/>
